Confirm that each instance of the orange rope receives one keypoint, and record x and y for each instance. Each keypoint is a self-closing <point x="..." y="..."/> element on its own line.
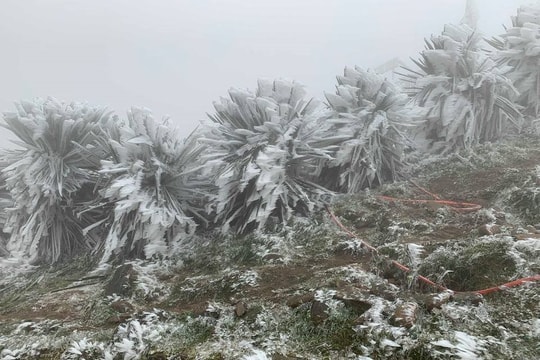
<point x="404" y="268"/>
<point x="510" y="284"/>
<point x="456" y="205"/>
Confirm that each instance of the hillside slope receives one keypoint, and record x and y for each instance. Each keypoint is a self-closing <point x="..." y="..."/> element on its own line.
<point x="312" y="291"/>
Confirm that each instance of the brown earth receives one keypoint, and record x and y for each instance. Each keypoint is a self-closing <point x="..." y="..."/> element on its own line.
<point x="278" y="282"/>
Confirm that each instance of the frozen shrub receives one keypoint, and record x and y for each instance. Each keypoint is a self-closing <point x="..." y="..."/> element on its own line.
<point x="485" y="263"/>
<point x="466" y="96"/>
<point x="368" y="115"/>
<point x="51" y="177"/>
<point x="154" y="187"/>
<point x="265" y="149"/>
<point x="518" y="50"/>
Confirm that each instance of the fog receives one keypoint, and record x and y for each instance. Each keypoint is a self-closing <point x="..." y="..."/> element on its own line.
<point x="176" y="57"/>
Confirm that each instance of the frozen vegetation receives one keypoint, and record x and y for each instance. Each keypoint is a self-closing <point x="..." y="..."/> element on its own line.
<point x="122" y="241"/>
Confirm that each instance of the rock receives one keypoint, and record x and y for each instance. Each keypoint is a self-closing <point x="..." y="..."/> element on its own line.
<point x="122" y="282"/>
<point x="352" y="298"/>
<point x="240" y="309"/>
<point x="489" y="229"/>
<point x="469" y="297"/>
<point x="435" y="301"/>
<point x="383" y="291"/>
<point x="297" y="300"/>
<point x="122" y="306"/>
<point x="273" y="258"/>
<point x="532" y="229"/>
<point x="405" y="315"/>
<point x="500" y="217"/>
<point x="318" y="312"/>
<point x="117" y="319"/>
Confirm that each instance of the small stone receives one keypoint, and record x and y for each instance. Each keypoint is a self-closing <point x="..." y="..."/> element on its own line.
<point x="122" y="306"/>
<point x="435" y="301"/>
<point x="484" y="230"/>
<point x="117" y="319"/>
<point x="297" y="300"/>
<point x="319" y="312"/>
<point x="405" y="315"/>
<point x="273" y="258"/>
<point x="500" y="217"/>
<point x="469" y="297"/>
<point x="351" y="298"/>
<point x="240" y="309"/>
<point x="489" y="229"/>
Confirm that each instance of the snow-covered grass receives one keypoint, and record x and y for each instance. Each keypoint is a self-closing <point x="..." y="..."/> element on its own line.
<point x="188" y="303"/>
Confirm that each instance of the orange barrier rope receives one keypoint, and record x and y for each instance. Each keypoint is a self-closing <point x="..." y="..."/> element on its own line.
<point x="455" y="205"/>
<point x="404" y="268"/>
<point x="510" y="284"/>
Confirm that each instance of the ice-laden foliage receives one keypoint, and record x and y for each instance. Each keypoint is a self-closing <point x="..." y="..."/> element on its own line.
<point x="51" y="177"/>
<point x="154" y="188"/>
<point x="264" y="147"/>
<point x="467" y="98"/>
<point x="5" y="203"/>
<point x="519" y="49"/>
<point x="369" y="114"/>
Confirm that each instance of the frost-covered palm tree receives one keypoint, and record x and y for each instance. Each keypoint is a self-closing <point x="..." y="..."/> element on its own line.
<point x="5" y="203"/>
<point x="154" y="191"/>
<point x="51" y="177"/>
<point x="519" y="50"/>
<point x="369" y="115"/>
<point x="265" y="149"/>
<point x="467" y="98"/>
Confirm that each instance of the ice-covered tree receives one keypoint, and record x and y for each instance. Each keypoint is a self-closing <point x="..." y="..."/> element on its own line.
<point x="264" y="148"/>
<point x="154" y="190"/>
<point x="51" y="176"/>
<point x="519" y="50"/>
<point x="5" y="203"/>
<point x="369" y="115"/>
<point x="467" y="98"/>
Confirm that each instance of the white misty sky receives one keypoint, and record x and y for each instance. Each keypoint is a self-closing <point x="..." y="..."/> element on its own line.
<point x="178" y="56"/>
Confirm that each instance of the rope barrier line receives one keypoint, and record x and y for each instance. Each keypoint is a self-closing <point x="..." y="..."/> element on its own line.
<point x="510" y="284"/>
<point x="404" y="268"/>
<point x="435" y="196"/>
<point x="455" y="205"/>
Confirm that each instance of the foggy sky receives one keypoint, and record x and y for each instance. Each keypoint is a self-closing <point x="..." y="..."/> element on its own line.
<point x="176" y="57"/>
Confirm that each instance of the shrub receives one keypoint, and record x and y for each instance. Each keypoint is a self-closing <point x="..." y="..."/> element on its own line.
<point x="264" y="147"/>
<point x="51" y="177"/>
<point x="368" y="116"/>
<point x="154" y="188"/>
<point x="467" y="98"/>
<point x="518" y="50"/>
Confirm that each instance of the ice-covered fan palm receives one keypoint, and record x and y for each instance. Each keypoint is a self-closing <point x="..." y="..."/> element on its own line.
<point x="519" y="50"/>
<point x="264" y="146"/>
<point x="369" y="113"/>
<point x="467" y="98"/>
<point x="5" y="202"/>
<point x="51" y="176"/>
<point x="154" y="189"/>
